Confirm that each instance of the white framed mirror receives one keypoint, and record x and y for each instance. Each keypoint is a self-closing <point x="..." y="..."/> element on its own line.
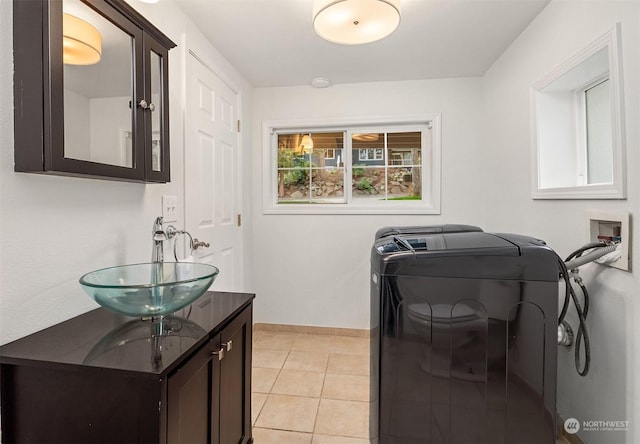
<point x="577" y="126"/>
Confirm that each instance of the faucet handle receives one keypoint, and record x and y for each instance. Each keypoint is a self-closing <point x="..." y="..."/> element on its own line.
<point x="197" y="244"/>
<point x="172" y="231"/>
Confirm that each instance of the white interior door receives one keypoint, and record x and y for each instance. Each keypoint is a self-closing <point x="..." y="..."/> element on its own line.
<point x="211" y="173"/>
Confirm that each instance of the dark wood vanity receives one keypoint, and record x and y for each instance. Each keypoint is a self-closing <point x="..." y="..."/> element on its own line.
<point x="106" y="378"/>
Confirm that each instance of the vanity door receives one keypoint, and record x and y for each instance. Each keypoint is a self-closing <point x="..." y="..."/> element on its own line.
<point x="234" y="391"/>
<point x="191" y="401"/>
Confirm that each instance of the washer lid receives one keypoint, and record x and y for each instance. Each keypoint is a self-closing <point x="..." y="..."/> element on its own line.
<point x="425" y="229"/>
<point x="460" y="241"/>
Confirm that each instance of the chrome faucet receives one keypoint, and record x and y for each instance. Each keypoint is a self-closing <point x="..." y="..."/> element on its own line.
<point x="159" y="236"/>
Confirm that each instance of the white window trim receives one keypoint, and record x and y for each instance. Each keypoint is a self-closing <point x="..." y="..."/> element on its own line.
<point x="617" y="189"/>
<point x="431" y="164"/>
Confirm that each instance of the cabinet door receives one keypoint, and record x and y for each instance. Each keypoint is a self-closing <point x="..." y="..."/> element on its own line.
<point x="156" y="114"/>
<point x="97" y="131"/>
<point x="235" y="381"/>
<point x="190" y="389"/>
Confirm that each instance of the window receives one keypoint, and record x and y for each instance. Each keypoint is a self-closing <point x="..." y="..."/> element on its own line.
<point x="370" y="154"/>
<point x="401" y="157"/>
<point x="576" y="123"/>
<point x="598" y="139"/>
<point x="344" y="167"/>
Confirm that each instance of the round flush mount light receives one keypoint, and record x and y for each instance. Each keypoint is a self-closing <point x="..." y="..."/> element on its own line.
<point x="354" y="22"/>
<point x="81" y="42"/>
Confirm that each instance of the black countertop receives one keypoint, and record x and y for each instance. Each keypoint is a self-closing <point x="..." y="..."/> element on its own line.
<point x="107" y="340"/>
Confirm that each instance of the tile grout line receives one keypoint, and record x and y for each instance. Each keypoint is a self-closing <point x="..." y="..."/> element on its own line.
<point x="324" y="379"/>
<point x="258" y="415"/>
<point x="271" y="388"/>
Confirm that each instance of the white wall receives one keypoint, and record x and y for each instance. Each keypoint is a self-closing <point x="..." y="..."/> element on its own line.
<point x="314" y="270"/>
<point x="54" y="229"/>
<point x="610" y="391"/>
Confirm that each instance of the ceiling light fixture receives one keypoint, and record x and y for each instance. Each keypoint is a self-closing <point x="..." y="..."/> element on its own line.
<point x="371" y="137"/>
<point x="354" y="22"/>
<point x="81" y="42"/>
<point x="306" y="144"/>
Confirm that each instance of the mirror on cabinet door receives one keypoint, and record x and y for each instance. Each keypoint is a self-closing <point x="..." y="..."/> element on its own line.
<point x="98" y="88"/>
<point x="577" y="126"/>
<point x="156" y="112"/>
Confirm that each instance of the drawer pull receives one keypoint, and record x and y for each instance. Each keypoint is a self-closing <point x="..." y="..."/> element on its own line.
<point x="229" y="345"/>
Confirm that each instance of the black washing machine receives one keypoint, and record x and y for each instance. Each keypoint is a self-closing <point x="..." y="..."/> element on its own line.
<point x="463" y="344"/>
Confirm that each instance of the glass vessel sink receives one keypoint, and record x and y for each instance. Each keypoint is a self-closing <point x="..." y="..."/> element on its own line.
<point x="149" y="290"/>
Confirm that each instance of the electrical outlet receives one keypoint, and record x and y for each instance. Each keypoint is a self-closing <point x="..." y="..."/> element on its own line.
<point x="170" y="208"/>
<point x="611" y="226"/>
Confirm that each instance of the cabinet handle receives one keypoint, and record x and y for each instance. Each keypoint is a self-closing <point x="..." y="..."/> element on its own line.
<point x="143" y="104"/>
<point x="219" y="353"/>
<point x="152" y="107"/>
<point x="229" y="345"/>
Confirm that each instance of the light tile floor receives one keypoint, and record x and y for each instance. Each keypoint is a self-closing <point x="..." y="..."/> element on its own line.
<point x="310" y="389"/>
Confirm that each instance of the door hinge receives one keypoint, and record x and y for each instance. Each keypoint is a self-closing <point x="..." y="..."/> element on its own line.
<point x="239" y="219"/>
<point x="238" y="126"/>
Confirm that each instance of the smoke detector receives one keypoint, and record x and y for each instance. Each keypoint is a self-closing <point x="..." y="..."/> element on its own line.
<point x="320" y="82"/>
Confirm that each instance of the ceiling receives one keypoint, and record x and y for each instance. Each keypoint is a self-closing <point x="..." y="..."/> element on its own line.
<point x="272" y="42"/>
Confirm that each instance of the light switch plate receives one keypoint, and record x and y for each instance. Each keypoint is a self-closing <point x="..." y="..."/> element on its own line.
<point x="170" y="208"/>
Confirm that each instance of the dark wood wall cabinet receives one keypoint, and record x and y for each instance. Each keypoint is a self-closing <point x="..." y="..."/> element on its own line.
<point x="105" y="378"/>
<point x="90" y="91"/>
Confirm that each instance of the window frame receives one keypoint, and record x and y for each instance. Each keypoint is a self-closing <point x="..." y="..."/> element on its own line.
<point x="367" y="151"/>
<point x="430" y="163"/>
<point x="564" y="163"/>
<point x="333" y="153"/>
